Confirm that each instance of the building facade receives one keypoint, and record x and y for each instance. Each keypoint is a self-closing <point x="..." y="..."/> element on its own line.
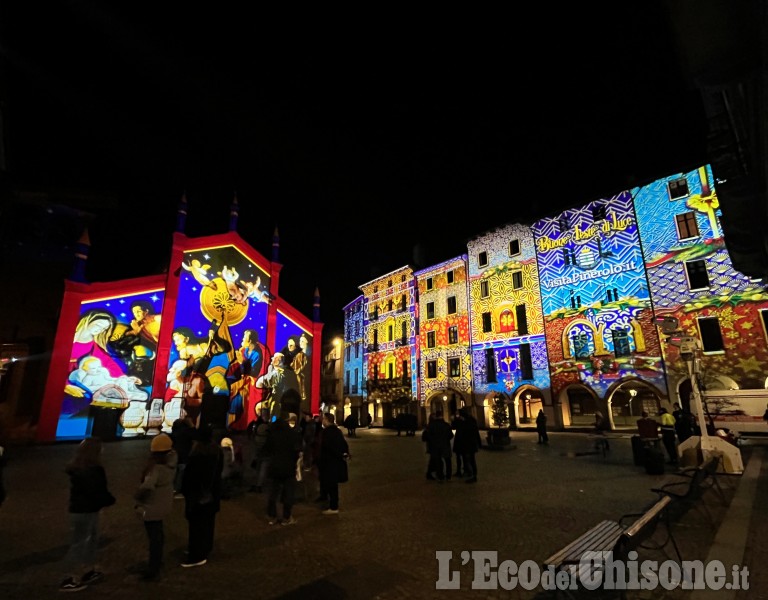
<point x="560" y="315"/>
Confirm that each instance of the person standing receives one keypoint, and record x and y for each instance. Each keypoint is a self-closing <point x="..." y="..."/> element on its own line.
<point x="201" y="487"/>
<point x="154" y="498"/>
<point x="88" y="494"/>
<point x="668" y="435"/>
<point x="283" y="449"/>
<point x="438" y="436"/>
<point x="334" y="451"/>
<point x="541" y="427"/>
<point x="456" y="427"/>
<point x="183" y="434"/>
<point x="683" y="425"/>
<point x="470" y="443"/>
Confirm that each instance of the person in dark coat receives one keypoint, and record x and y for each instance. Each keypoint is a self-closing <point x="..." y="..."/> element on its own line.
<point x="282" y="449"/>
<point x="456" y="426"/>
<point x="201" y="487"/>
<point x="334" y="451"/>
<point x="683" y="423"/>
<point x="351" y="424"/>
<point x="183" y="434"/>
<point x="541" y="427"/>
<point x="438" y="436"/>
<point x="469" y="442"/>
<point x="88" y="494"/>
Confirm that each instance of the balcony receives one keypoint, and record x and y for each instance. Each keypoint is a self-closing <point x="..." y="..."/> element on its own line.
<point x="372" y="348"/>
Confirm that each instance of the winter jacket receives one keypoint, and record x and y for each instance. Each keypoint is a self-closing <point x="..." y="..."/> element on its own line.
<point x="154" y="496"/>
<point x="88" y="491"/>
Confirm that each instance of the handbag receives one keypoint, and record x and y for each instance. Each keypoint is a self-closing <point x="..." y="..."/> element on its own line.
<point x="343" y="471"/>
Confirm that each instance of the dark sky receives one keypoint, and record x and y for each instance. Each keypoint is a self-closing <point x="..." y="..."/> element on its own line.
<point x="358" y="138"/>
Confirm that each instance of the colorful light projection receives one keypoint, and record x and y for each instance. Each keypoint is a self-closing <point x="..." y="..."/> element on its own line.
<point x="595" y="296"/>
<point x="678" y="218"/>
<point x="219" y="336"/>
<point x="296" y="345"/>
<point x="112" y="363"/>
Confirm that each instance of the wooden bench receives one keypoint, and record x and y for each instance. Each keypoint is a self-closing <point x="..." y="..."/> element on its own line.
<point x="689" y="491"/>
<point x="615" y="537"/>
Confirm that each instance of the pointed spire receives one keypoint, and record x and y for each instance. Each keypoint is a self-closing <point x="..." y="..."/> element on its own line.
<point x="276" y="246"/>
<point x="234" y="212"/>
<point x="82" y="250"/>
<point x="316" y="306"/>
<point x="181" y="214"/>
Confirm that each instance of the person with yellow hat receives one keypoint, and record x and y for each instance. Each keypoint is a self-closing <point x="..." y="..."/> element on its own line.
<point x="154" y="498"/>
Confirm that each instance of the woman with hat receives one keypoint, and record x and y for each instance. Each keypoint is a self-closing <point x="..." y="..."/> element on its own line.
<point x="154" y="498"/>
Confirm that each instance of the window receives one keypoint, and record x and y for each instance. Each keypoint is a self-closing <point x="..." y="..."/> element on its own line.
<point x="569" y="258"/>
<point x="346" y="380"/>
<point x="404" y="332"/>
<point x="449" y="277"/>
<point x="390" y="371"/>
<point x="599" y="212"/>
<point x="482" y="259"/>
<point x="430" y="310"/>
<point x="357" y="376"/>
<point x="390" y="305"/>
<point x="522" y="319"/>
<point x="686" y="225"/>
<point x="711" y="336"/>
<point x="390" y="333"/>
<point x="452" y="305"/>
<point x="526" y="364"/>
<point x="454" y="367"/>
<point x="430" y="339"/>
<point x="487" y="326"/>
<point x="490" y="365"/>
<point x="677" y="189"/>
<point x="389" y="283"/>
<point x="612" y="295"/>
<point x="431" y="369"/>
<point x="575" y="300"/>
<point x="517" y="280"/>
<point x="453" y="334"/>
<point x="402" y="302"/>
<point x="620" y="343"/>
<point x="580" y="341"/>
<point x="357" y="349"/>
<point x="402" y="278"/>
<point x="430" y="283"/>
<point x="375" y="288"/>
<point x="404" y="366"/>
<point x="514" y="247"/>
<point x="697" y="274"/>
<point x="484" y="289"/>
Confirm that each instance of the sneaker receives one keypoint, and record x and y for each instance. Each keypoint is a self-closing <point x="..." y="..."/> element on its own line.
<point x="92" y="577"/>
<point x="331" y="511"/>
<point x="199" y="563"/>
<point x="274" y="521"/>
<point x="70" y="585"/>
<point x="289" y="521"/>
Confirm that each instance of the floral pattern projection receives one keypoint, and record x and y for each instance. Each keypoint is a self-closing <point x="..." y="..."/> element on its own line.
<point x="112" y="362"/>
<point x="595" y="297"/>
<point x="678" y="218"/>
<point x="434" y="288"/>
<point x="507" y="289"/>
<point x="219" y="335"/>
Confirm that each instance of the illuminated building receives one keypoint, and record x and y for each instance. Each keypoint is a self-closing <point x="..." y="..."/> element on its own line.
<point x="354" y="339"/>
<point x="131" y="355"/>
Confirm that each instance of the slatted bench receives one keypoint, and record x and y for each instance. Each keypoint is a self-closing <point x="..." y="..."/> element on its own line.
<point x="615" y="537"/>
<point x="689" y="491"/>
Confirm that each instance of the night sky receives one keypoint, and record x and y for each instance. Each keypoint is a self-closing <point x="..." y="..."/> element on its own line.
<point x="341" y="134"/>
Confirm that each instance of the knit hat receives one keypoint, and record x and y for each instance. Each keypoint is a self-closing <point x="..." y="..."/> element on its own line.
<point x="161" y="443"/>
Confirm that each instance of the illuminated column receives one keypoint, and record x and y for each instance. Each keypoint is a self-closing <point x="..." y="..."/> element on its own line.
<point x="234" y="210"/>
<point x="181" y="214"/>
<point x="82" y="249"/>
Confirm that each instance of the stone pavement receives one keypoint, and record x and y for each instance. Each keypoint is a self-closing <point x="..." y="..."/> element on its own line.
<point x="529" y="501"/>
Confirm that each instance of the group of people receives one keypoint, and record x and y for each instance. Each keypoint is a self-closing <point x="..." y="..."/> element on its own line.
<point x="675" y="428"/>
<point x="191" y="464"/>
<point x="466" y="443"/>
